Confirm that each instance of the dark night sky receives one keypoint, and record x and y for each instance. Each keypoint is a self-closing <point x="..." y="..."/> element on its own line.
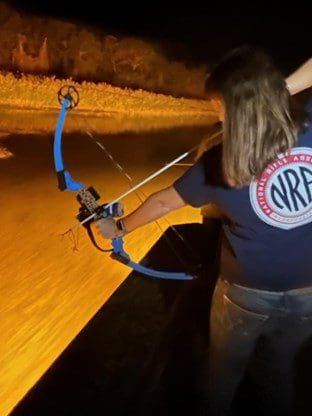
<point x="197" y="33"/>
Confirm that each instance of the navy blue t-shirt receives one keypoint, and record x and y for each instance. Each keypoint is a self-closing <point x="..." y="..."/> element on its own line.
<point x="268" y="224"/>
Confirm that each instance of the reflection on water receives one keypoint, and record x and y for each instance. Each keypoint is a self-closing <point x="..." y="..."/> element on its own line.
<point x="49" y="292"/>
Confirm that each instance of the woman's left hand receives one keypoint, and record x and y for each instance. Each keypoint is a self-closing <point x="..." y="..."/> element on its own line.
<point x="107" y="228"/>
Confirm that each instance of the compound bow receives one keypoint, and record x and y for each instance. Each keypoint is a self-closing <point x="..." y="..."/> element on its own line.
<point x="90" y="210"/>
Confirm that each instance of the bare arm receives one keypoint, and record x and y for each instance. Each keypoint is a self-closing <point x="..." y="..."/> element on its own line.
<point x="156" y="206"/>
<point x="301" y="79"/>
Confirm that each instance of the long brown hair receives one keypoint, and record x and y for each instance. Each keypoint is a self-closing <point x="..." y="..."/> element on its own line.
<point x="258" y="125"/>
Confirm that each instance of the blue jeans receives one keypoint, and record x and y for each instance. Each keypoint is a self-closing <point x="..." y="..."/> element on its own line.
<point x="244" y="324"/>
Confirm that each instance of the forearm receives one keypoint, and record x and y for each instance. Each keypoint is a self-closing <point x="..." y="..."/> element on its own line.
<point x="154" y="207"/>
<point x="301" y="79"/>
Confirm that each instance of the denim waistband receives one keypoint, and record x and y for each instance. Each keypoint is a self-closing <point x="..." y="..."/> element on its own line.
<point x="295" y="301"/>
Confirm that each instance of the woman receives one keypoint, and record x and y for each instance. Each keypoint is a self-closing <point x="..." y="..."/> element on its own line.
<point x="261" y="177"/>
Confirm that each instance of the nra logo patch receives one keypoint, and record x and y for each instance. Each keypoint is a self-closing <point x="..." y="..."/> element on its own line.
<point x="282" y="197"/>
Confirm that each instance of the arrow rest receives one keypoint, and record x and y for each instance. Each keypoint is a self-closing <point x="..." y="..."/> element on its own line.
<point x="87" y="198"/>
